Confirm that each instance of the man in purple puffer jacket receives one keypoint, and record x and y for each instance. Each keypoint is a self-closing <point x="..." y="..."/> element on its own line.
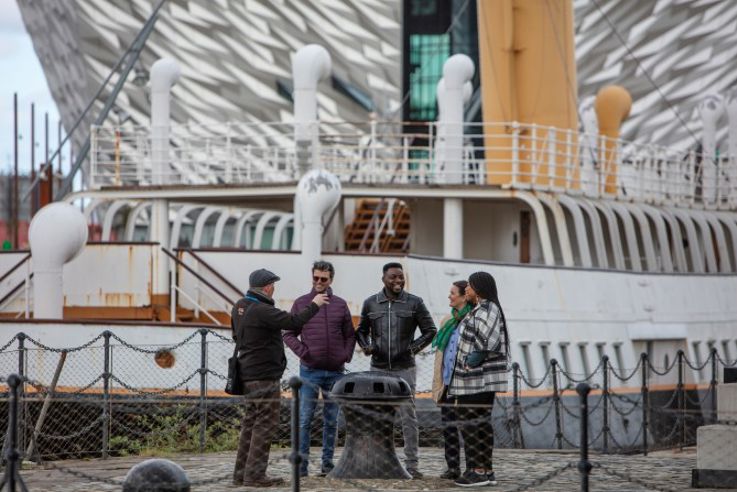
<point x="324" y="345"/>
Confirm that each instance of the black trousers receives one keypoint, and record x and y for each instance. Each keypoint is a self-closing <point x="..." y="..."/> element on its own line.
<point x="469" y="415"/>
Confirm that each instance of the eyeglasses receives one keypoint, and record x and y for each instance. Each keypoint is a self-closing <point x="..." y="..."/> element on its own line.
<point x="321" y="279"/>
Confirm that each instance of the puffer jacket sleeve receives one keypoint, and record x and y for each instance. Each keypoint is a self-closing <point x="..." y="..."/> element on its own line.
<point x="290" y="337"/>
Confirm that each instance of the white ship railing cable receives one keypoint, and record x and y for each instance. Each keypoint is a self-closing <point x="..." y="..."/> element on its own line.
<point x="546" y="159"/>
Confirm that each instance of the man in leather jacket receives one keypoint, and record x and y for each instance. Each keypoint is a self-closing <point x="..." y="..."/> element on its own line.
<point x="389" y="320"/>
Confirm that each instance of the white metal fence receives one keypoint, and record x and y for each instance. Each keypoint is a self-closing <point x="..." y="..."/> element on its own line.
<point x="506" y="154"/>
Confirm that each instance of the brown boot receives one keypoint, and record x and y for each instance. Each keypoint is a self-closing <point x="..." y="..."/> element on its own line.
<point x="265" y="481"/>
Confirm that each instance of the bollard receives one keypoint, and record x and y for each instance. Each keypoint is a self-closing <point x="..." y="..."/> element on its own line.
<point x="295" y="458"/>
<point x="605" y="403"/>
<point x="556" y="402"/>
<point x="156" y="475"/>
<point x="584" y="465"/>
<point x="644" y="398"/>
<point x="106" y="396"/>
<point x="203" y="387"/>
<point x="681" y="420"/>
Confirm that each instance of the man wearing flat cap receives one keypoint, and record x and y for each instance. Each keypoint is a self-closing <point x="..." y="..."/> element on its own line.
<point x="257" y="329"/>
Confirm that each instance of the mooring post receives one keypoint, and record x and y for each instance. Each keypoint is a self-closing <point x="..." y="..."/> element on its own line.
<point x="295" y="458"/>
<point x="11" y="453"/>
<point x="584" y="466"/>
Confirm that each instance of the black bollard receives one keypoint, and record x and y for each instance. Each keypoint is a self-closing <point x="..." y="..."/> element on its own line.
<point x="369" y="401"/>
<point x="584" y="465"/>
<point x="295" y="458"/>
<point x="156" y="475"/>
<point x="11" y="453"/>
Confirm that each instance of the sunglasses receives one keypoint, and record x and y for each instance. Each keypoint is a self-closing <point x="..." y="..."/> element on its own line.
<point x="321" y="279"/>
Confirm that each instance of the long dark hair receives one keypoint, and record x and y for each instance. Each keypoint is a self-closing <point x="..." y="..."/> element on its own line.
<point x="485" y="286"/>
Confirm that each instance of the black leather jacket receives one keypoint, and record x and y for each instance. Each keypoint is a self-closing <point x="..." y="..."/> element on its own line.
<point x="388" y="327"/>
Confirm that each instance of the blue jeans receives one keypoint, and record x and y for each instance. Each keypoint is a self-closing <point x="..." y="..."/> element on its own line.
<point x="315" y="381"/>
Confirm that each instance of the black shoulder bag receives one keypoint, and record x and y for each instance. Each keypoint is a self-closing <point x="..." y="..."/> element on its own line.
<point x="233" y="384"/>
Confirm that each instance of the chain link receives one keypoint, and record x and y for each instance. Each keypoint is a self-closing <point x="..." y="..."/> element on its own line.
<point x="73" y="435"/>
<point x="10" y="342"/>
<point x="137" y="348"/>
<point x="624" y="379"/>
<point x="67" y="350"/>
<point x="154" y="393"/>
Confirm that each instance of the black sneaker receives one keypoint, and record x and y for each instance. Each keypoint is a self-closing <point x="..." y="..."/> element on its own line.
<point x="415" y="473"/>
<point x="451" y="474"/>
<point x="491" y="477"/>
<point x="472" y="479"/>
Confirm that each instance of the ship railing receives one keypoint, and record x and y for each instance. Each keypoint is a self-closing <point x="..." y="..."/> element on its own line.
<point x="15" y="288"/>
<point x="513" y="155"/>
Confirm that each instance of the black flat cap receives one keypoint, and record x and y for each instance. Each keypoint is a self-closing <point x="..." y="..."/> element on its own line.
<point x="262" y="278"/>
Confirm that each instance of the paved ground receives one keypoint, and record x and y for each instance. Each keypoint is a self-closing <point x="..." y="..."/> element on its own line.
<point x="515" y="470"/>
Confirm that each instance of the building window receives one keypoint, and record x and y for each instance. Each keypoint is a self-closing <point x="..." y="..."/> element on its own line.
<point x="618" y="355"/>
<point x="584" y="359"/>
<point x="544" y="348"/>
<point x="526" y="359"/>
<point x="725" y="351"/>
<point x="697" y="357"/>
<point x="564" y="360"/>
<point x="427" y="54"/>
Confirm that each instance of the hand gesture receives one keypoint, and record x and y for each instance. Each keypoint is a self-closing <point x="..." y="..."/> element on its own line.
<point x="320" y="299"/>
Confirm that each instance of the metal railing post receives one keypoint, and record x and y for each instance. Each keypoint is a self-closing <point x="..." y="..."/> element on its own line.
<point x="203" y="387"/>
<point x="644" y="398"/>
<point x="713" y="385"/>
<point x="106" y="396"/>
<point x="584" y="466"/>
<point x="681" y="420"/>
<point x="605" y="403"/>
<point x="294" y="457"/>
<point x="556" y="402"/>
<point x="515" y="152"/>
<point x="21" y="389"/>
<point x="516" y="429"/>
<point x="12" y="457"/>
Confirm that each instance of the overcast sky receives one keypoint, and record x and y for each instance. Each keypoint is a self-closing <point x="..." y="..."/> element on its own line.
<point x="22" y="73"/>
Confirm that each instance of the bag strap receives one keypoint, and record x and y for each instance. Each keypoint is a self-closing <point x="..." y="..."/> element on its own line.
<point x="235" y="349"/>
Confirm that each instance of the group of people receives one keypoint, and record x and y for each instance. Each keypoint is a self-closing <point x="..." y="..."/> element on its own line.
<point x="471" y="365"/>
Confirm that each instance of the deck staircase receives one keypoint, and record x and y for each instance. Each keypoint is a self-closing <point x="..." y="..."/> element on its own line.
<point x="379" y="226"/>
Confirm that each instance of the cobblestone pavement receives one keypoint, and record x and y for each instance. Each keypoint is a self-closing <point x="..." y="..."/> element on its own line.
<point x="515" y="470"/>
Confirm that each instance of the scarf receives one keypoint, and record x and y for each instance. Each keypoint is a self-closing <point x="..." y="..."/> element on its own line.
<point x="441" y="339"/>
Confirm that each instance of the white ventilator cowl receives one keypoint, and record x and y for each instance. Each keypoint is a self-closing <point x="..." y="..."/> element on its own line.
<point x="311" y="64"/>
<point x="318" y="193"/>
<point x="57" y="234"/>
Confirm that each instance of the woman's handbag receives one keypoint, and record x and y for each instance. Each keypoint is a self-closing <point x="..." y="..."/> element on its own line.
<point x="233" y="384"/>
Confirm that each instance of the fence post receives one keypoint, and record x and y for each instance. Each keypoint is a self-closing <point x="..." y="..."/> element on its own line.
<point x="605" y="402"/>
<point x="681" y="420"/>
<point x="556" y="402"/>
<point x="11" y="453"/>
<point x="516" y="422"/>
<point x="21" y="390"/>
<point x="713" y="385"/>
<point x="295" y="458"/>
<point x="106" y="396"/>
<point x="644" y="398"/>
<point x="584" y="466"/>
<point x="203" y="387"/>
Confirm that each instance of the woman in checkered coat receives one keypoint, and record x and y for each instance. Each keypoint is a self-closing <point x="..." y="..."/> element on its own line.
<point x="481" y="370"/>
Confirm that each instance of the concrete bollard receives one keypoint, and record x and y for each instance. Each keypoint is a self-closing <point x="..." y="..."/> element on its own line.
<point x="156" y="475"/>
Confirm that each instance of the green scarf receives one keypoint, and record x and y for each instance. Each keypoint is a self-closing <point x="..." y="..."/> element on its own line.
<point x="441" y="339"/>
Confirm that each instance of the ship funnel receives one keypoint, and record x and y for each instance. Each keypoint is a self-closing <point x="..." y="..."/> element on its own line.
<point x="453" y="91"/>
<point x="310" y="65"/>
<point x="57" y="234"/>
<point x="318" y="193"/>
<point x="710" y="108"/>
<point x="613" y="104"/>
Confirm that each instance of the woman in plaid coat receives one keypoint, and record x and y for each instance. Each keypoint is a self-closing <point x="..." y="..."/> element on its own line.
<point x="481" y="370"/>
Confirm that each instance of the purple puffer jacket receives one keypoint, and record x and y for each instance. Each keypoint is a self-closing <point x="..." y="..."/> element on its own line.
<point x="328" y="339"/>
